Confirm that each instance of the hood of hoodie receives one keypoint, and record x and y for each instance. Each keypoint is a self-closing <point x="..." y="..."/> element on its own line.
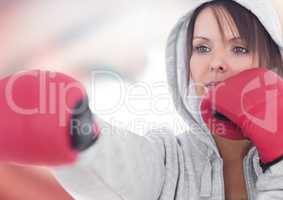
<point x="182" y="90"/>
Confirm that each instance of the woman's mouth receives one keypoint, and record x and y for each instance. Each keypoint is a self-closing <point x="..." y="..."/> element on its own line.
<point x="211" y="84"/>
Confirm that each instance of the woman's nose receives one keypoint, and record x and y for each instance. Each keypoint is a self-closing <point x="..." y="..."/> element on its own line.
<point x="218" y="64"/>
<point x="218" y="68"/>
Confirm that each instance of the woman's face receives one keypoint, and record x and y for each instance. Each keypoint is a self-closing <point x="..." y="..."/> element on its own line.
<point x="215" y="58"/>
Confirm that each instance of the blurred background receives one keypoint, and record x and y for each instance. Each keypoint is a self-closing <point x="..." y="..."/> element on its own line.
<point x="115" y="47"/>
<point x="123" y="39"/>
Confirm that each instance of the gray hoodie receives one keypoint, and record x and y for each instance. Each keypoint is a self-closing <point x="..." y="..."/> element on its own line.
<point x="163" y="165"/>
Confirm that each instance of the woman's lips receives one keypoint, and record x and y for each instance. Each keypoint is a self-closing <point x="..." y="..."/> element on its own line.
<point x="212" y="84"/>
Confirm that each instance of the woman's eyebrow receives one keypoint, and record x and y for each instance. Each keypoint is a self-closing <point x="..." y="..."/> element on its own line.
<point x="201" y="37"/>
<point x="233" y="39"/>
<point x="236" y="39"/>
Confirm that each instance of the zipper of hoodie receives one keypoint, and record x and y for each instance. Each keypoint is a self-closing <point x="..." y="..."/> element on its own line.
<point x="246" y="177"/>
<point x="221" y="177"/>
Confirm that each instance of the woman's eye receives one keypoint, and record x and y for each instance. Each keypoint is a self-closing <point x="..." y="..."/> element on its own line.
<point x="240" y="50"/>
<point x="202" y="49"/>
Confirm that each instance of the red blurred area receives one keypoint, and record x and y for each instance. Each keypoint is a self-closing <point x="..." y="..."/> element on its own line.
<point x="19" y="182"/>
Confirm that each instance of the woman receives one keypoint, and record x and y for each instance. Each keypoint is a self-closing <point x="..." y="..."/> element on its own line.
<point x="228" y="44"/>
<point x="216" y="40"/>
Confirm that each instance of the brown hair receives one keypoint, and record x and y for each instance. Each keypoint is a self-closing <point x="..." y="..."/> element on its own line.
<point x="250" y="30"/>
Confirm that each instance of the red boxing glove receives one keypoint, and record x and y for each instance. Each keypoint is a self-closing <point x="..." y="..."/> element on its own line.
<point x="248" y="105"/>
<point x="45" y="118"/>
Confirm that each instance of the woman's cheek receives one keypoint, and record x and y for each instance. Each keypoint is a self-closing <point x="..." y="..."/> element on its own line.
<point x="238" y="64"/>
<point x="199" y="70"/>
<point x="199" y="67"/>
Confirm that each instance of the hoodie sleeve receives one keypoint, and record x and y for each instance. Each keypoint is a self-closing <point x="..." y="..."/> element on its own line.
<point x="270" y="183"/>
<point x="121" y="165"/>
